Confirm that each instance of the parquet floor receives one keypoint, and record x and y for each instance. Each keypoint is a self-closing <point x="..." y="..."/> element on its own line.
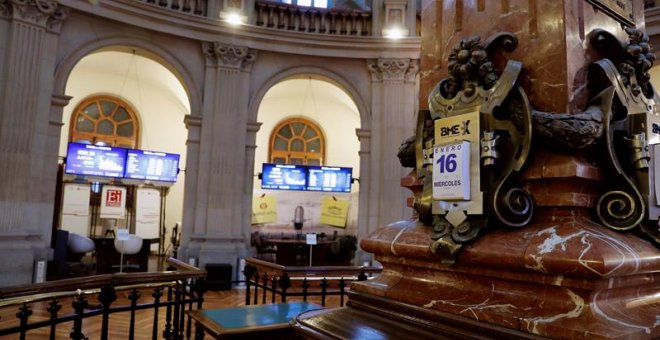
<point x="119" y="322"/>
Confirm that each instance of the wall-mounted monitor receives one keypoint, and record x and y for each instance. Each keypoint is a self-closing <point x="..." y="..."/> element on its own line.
<point x="284" y="177"/>
<point x="331" y="179"/>
<point x="151" y="165"/>
<point x="95" y="160"/>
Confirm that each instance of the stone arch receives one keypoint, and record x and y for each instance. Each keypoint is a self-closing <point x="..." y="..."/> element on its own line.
<point x="323" y="74"/>
<point x="144" y="48"/>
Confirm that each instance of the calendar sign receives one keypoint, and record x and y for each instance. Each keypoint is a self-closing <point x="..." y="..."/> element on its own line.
<point x="456" y="174"/>
<point x="451" y="171"/>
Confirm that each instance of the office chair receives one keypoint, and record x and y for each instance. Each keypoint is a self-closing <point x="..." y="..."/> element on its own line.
<point x="264" y="249"/>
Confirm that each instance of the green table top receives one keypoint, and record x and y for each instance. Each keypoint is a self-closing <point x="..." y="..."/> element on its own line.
<point x="257" y="315"/>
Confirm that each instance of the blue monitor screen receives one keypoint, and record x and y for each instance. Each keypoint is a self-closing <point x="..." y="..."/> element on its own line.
<point x="285" y="177"/>
<point x="94" y="160"/>
<point x="151" y="165"/>
<point x="326" y="178"/>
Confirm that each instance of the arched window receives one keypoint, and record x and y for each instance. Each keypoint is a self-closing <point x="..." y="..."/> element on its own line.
<point x="105" y="119"/>
<point x="297" y="141"/>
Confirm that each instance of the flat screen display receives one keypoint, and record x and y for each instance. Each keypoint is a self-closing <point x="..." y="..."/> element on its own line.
<point x="284" y="177"/>
<point x="151" y="165"/>
<point x="95" y="160"/>
<point x="327" y="178"/>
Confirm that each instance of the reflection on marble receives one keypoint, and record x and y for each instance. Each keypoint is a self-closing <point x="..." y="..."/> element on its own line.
<point x="551" y="37"/>
<point x="562" y="277"/>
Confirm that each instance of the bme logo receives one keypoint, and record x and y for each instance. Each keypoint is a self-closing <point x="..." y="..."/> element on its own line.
<point x="458" y="129"/>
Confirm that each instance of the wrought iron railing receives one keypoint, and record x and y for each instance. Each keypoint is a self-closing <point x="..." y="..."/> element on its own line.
<point x="270" y="283"/>
<point x="70" y="300"/>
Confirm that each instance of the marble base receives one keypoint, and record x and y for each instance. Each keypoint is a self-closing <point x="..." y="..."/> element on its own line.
<point x="561" y="277"/>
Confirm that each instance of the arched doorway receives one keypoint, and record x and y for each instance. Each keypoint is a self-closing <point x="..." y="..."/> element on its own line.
<point x="307" y="120"/>
<point x="135" y="89"/>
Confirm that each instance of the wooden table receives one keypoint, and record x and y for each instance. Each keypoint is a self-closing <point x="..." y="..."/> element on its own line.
<point x="107" y="256"/>
<point x="296" y="252"/>
<point x="269" y="321"/>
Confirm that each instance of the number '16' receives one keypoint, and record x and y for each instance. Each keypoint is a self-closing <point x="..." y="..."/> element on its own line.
<point x="447" y="162"/>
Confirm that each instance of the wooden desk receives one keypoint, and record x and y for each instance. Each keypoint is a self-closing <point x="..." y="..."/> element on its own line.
<point x="107" y="256"/>
<point x="296" y="252"/>
<point x="252" y="322"/>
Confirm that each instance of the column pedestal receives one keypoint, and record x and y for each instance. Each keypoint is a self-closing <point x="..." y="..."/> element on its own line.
<point x="562" y="277"/>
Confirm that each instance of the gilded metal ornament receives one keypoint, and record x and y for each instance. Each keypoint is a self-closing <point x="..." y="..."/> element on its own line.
<point x="489" y="115"/>
<point x="631" y="132"/>
<point x="622" y="117"/>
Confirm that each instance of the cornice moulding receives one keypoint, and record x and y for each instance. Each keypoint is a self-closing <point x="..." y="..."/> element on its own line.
<point x="200" y="28"/>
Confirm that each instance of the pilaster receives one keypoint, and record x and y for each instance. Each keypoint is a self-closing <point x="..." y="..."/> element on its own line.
<point x="393" y="107"/>
<point x="29" y="119"/>
<point x="220" y="220"/>
<point x="364" y="137"/>
<point x="194" y="126"/>
<point x="250" y="148"/>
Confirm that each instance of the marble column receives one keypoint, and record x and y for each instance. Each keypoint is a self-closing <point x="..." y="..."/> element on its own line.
<point x="29" y="120"/>
<point x="216" y="214"/>
<point x="393" y="112"/>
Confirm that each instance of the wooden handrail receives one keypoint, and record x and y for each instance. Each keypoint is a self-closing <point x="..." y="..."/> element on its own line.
<point x="49" y="289"/>
<point x="310" y="270"/>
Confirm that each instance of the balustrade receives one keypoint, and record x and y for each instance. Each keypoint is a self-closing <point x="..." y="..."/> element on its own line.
<point x="329" y="21"/>
<point x="281" y="282"/>
<point x="343" y="19"/>
<point x="197" y="7"/>
<point x="63" y="301"/>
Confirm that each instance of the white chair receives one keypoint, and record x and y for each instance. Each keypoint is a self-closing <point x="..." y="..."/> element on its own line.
<point x="80" y="244"/>
<point x="128" y="247"/>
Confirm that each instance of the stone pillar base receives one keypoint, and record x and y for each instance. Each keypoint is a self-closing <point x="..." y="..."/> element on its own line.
<point x="216" y="251"/>
<point x="17" y="260"/>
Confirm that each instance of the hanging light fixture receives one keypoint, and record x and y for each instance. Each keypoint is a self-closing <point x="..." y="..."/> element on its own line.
<point x="309" y="92"/>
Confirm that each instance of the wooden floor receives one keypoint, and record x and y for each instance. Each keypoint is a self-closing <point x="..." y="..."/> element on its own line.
<point x="119" y="322"/>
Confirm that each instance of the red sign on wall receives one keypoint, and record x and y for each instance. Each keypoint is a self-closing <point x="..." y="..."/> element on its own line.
<point x="113" y="198"/>
<point x="114" y="202"/>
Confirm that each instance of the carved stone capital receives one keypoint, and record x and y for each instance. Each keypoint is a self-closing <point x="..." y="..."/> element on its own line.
<point x="194" y="125"/>
<point x="45" y="13"/>
<point x="4" y="8"/>
<point x="192" y="121"/>
<point x="393" y="69"/>
<point x="363" y="134"/>
<point x="253" y="127"/>
<point x="229" y="56"/>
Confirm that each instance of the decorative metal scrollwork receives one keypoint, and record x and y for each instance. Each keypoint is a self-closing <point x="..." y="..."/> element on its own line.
<point x="629" y="132"/>
<point x="492" y="116"/>
<point x="623" y="113"/>
<point x="620" y="210"/>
